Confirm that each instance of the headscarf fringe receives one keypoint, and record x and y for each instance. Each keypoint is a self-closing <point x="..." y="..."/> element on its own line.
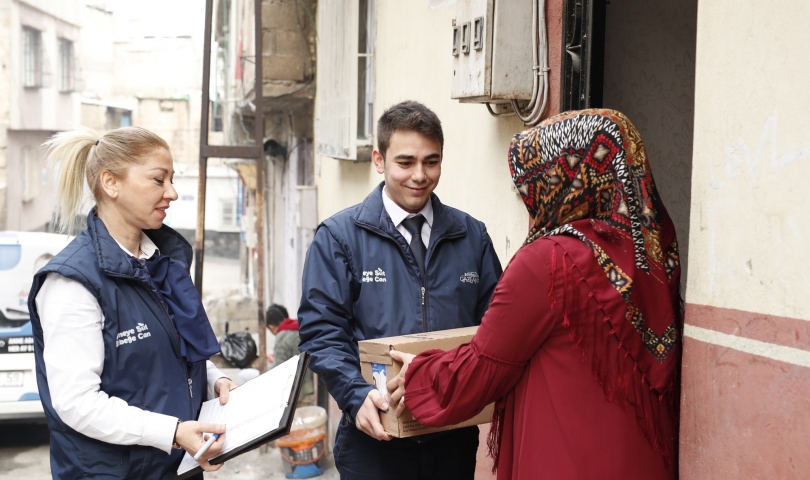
<point x="617" y="373"/>
<point x="553" y="273"/>
<point x="614" y="370"/>
<point x="496" y="433"/>
<point x="622" y="382"/>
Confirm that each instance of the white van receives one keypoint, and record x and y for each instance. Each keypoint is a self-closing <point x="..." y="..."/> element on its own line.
<point x="21" y="255"/>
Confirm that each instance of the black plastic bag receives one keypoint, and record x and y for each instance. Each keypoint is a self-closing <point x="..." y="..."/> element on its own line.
<point x="238" y="348"/>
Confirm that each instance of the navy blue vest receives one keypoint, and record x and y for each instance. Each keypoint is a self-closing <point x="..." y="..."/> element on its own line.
<point x="142" y="362"/>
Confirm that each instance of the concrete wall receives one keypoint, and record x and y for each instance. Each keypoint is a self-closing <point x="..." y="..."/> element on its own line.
<point x="158" y="46"/>
<point x="176" y="120"/>
<point x="287" y="44"/>
<point x="5" y="100"/>
<point x="28" y="116"/>
<point x="44" y="108"/>
<point x="33" y="214"/>
<point x="96" y="51"/>
<point x="157" y="68"/>
<point x="746" y="374"/>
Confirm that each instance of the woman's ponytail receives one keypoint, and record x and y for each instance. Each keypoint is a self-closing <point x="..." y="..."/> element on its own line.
<point x="71" y="148"/>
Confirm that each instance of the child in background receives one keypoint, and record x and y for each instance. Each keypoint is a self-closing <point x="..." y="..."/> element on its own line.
<point x="285" y="330"/>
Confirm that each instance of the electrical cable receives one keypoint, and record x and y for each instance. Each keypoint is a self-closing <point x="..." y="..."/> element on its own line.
<point x="497" y="114"/>
<point x="532" y="113"/>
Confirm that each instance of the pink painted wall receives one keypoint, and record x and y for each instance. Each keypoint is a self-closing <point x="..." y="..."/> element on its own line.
<point x="744" y="415"/>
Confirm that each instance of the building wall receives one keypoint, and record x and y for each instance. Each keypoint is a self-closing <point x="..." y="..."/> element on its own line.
<point x="286" y="41"/>
<point x="417" y="65"/>
<point x="157" y="67"/>
<point x="66" y="10"/>
<point x="288" y="90"/>
<point x="172" y="119"/>
<point x="36" y="213"/>
<point x="96" y="51"/>
<point x="158" y="54"/>
<point x="158" y="63"/>
<point x="221" y="186"/>
<point x="475" y="173"/>
<point x="5" y="101"/>
<point x="44" y="108"/>
<point x="746" y="374"/>
<point x="28" y="116"/>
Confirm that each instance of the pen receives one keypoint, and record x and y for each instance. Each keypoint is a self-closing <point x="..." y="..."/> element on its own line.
<point x="213" y="438"/>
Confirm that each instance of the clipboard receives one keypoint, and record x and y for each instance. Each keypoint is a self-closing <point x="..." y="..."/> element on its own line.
<point x="189" y="467"/>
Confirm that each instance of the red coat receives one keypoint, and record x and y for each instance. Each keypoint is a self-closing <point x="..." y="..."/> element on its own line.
<point x="557" y="423"/>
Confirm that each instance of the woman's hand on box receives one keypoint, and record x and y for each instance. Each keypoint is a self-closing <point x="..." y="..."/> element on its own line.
<point x="397" y="384"/>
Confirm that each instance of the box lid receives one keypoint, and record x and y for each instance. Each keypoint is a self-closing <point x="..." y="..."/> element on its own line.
<point x="376" y="350"/>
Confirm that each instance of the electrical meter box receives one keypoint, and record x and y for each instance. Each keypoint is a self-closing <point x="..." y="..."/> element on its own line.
<point x="492" y="50"/>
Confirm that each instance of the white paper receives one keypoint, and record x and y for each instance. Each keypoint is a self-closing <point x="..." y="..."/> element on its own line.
<point x="253" y="409"/>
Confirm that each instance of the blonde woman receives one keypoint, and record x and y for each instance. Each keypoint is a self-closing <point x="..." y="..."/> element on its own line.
<point x="121" y="339"/>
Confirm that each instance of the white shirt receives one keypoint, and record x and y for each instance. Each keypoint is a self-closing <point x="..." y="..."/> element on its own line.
<point x="397" y="215"/>
<point x="72" y="324"/>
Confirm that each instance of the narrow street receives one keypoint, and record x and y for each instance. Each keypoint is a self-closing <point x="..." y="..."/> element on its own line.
<point x="24" y="452"/>
<point x="24" y="455"/>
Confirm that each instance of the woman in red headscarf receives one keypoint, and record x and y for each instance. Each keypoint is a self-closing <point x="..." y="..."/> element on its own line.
<point x="581" y="344"/>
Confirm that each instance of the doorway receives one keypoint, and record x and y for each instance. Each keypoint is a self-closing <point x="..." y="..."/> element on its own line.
<point x="649" y="75"/>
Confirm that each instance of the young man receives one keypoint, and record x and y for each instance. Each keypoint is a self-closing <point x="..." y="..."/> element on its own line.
<point x="285" y="330"/>
<point x="400" y="262"/>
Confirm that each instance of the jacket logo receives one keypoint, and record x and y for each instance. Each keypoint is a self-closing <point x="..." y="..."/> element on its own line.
<point x="377" y="276"/>
<point x="470" y="277"/>
<point x="140" y="332"/>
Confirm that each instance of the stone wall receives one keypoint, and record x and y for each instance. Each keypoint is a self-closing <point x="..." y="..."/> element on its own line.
<point x="288" y="46"/>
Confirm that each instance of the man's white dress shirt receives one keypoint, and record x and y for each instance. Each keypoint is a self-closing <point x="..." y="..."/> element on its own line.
<point x="72" y="324"/>
<point x="397" y="215"/>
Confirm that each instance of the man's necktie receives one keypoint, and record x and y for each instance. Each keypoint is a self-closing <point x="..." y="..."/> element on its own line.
<point x="414" y="226"/>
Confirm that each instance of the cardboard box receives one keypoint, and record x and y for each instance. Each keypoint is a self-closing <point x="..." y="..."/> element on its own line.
<point x="378" y="367"/>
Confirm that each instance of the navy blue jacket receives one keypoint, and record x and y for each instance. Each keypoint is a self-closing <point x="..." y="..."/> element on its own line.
<point x="361" y="281"/>
<point x="142" y="362"/>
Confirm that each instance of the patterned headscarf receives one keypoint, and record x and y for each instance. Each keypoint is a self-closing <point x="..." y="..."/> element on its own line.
<point x="585" y="174"/>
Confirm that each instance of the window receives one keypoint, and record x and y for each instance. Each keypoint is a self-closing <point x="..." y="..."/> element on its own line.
<point x="216" y="114"/>
<point x="228" y="211"/>
<point x="32" y="58"/>
<point x="67" y="66"/>
<point x="117" y="117"/>
<point x="344" y="119"/>
<point x="31" y="175"/>
<point x="365" y="73"/>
